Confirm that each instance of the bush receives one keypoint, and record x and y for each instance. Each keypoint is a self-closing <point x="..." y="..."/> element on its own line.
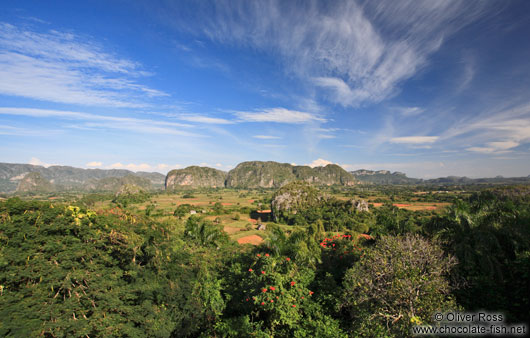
<point x="400" y="281"/>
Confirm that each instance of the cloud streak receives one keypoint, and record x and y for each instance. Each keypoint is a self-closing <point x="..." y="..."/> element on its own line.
<point x="278" y="115"/>
<point x="414" y="139"/>
<point x="356" y="51"/>
<point x="204" y="119"/>
<point x="105" y="121"/>
<point x="66" y="68"/>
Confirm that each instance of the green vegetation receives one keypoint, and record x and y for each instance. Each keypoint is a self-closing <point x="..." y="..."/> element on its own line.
<point x="34" y="183"/>
<point x="195" y="177"/>
<point x="66" y="178"/>
<point x="160" y="265"/>
<point x="270" y="174"/>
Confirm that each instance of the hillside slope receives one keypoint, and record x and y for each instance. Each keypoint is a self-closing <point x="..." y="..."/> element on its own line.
<point x="194" y="177"/>
<point x="65" y="177"/>
<point x="257" y="174"/>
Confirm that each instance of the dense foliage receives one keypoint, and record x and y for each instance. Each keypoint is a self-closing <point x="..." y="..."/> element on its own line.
<point x="329" y="271"/>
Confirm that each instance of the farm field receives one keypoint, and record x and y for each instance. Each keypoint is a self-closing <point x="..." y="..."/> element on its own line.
<point x="239" y="212"/>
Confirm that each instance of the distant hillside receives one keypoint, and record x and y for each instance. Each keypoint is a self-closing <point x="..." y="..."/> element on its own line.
<point x="386" y="177"/>
<point x="260" y="174"/>
<point x="194" y="177"/>
<point x="116" y="184"/>
<point x="252" y="174"/>
<point x="451" y="180"/>
<point x="67" y="178"/>
<point x="34" y="182"/>
<point x="270" y="174"/>
<point x="383" y="177"/>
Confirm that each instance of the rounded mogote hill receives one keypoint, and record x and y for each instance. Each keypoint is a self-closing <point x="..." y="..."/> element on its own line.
<point x="194" y="177"/>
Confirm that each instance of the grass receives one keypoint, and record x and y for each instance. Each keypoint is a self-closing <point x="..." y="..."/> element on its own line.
<point x="233" y="200"/>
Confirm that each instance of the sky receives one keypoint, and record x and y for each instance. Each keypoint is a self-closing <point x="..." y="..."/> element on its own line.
<point x="429" y="88"/>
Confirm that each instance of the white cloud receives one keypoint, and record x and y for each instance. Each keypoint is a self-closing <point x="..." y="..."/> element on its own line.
<point x="503" y="145"/>
<point x="105" y="121"/>
<point x="358" y="51"/>
<point x="341" y="92"/>
<point x="131" y="166"/>
<point x="414" y="139"/>
<point x="279" y="115"/>
<point x="266" y="137"/>
<point x="325" y="136"/>
<point x="162" y="166"/>
<point x="500" y="147"/>
<point x="493" y="132"/>
<point x="204" y="119"/>
<point x="319" y="163"/>
<point x="410" y="111"/>
<point x="94" y="164"/>
<point x="36" y="161"/>
<point x="27" y="132"/>
<point x="66" y="68"/>
<point x="116" y="165"/>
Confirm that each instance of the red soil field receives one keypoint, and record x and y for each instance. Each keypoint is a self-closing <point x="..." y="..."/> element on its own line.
<point x="252" y="239"/>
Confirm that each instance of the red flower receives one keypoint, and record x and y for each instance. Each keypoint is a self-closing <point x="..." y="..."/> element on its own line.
<point x="293" y="283"/>
<point x="311" y="292"/>
<point x="259" y="255"/>
<point x="267" y="255"/>
<point x="250" y="270"/>
<point x="272" y="288"/>
<point x="288" y="259"/>
<point x="264" y="290"/>
<point x="247" y="299"/>
<point x="302" y="297"/>
<point x="294" y="305"/>
<point x="262" y="272"/>
<point x="262" y="303"/>
<point x="272" y="301"/>
<point x="277" y="297"/>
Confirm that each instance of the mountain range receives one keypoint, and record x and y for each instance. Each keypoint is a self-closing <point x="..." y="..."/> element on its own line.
<point x="364" y="176"/>
<point x="251" y="174"/>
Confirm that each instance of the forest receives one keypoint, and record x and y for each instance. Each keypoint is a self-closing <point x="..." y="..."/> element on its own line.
<point x="99" y="265"/>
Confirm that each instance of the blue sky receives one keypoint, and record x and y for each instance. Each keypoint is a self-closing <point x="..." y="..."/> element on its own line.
<point x="430" y="88"/>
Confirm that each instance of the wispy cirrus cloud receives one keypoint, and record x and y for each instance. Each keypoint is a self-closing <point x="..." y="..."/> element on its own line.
<point x="278" y="115"/>
<point x="493" y="132"/>
<point x="357" y="51"/>
<point x="203" y="119"/>
<point x="414" y="139"/>
<point x="105" y="121"/>
<point x="266" y="137"/>
<point x="66" y="68"/>
<point x="410" y="111"/>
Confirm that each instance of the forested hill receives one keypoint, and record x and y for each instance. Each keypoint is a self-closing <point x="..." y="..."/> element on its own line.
<point x="254" y="174"/>
<point x="251" y="174"/>
<point x="364" y="176"/>
<point x="69" y="178"/>
<point x="258" y="174"/>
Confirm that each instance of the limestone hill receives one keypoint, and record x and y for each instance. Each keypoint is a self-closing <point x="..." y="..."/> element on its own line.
<point x="194" y="177"/>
